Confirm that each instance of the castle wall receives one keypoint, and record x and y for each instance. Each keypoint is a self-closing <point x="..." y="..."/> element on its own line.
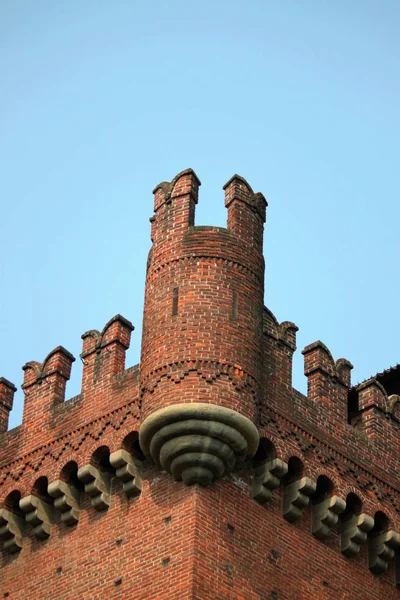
<point x="92" y="502"/>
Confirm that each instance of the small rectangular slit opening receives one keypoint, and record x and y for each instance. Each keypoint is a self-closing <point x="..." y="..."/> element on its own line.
<point x="235" y="302"/>
<point x="175" y="297"/>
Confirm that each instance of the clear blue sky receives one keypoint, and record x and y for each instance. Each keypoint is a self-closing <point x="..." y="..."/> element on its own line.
<point x="100" y="101"/>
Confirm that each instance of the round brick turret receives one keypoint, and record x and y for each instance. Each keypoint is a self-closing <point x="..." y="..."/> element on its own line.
<point x="201" y="348"/>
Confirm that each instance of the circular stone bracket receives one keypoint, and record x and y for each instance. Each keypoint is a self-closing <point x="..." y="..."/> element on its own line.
<point x="198" y="442"/>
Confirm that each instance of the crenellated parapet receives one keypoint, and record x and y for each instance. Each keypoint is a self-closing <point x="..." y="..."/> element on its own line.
<point x="44" y="384"/>
<point x="328" y="381"/>
<point x="246" y="210"/>
<point x="46" y="410"/>
<point x="378" y="414"/>
<point x="103" y="353"/>
<point x="174" y="207"/>
<point x="279" y="345"/>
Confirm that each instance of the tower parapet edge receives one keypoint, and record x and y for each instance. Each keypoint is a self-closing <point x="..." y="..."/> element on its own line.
<point x="201" y="361"/>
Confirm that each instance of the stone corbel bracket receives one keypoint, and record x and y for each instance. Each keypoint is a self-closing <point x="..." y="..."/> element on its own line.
<point x="127" y="470"/>
<point x="97" y="486"/>
<point x="325" y="516"/>
<point x="353" y="533"/>
<point x="38" y="514"/>
<point x="198" y="442"/>
<point x="267" y="477"/>
<point x="66" y="501"/>
<point x="381" y="549"/>
<point x="296" y="496"/>
<point x="11" y="531"/>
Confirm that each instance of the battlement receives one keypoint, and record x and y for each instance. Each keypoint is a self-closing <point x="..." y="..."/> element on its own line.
<point x="206" y="439"/>
<point x="175" y="202"/>
<point x="45" y="408"/>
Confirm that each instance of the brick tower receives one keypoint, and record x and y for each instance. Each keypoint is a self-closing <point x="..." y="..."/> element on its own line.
<point x="201" y="364"/>
<point x="201" y="473"/>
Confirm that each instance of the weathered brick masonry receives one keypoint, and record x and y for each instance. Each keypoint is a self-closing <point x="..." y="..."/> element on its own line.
<point x="201" y="473"/>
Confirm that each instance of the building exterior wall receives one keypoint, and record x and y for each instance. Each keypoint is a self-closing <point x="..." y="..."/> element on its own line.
<point x="92" y="505"/>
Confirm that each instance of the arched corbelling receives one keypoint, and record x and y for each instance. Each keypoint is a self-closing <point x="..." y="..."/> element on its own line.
<point x="297" y="490"/>
<point x="39" y="487"/>
<point x="366" y="502"/>
<point x="46" y="470"/>
<point x="329" y="473"/>
<point x="89" y="449"/>
<point x="268" y="471"/>
<point x="354" y="525"/>
<point x="383" y="542"/>
<point x="38" y="508"/>
<point x="96" y="477"/>
<point x="101" y="459"/>
<point x="288" y="453"/>
<point x="353" y="506"/>
<point x="280" y="450"/>
<point x="324" y="488"/>
<point x="326" y="508"/>
<point x="388" y="513"/>
<point x="12" y="523"/>
<point x="65" y="466"/>
<point x="266" y="451"/>
<point x="11" y="491"/>
<point x="127" y="462"/>
<point x="11" y="500"/>
<point x="69" y="474"/>
<point x="66" y="493"/>
<point x="295" y="468"/>
<point x="130" y="443"/>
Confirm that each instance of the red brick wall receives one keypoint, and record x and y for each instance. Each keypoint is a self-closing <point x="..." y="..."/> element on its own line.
<point x="209" y="345"/>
